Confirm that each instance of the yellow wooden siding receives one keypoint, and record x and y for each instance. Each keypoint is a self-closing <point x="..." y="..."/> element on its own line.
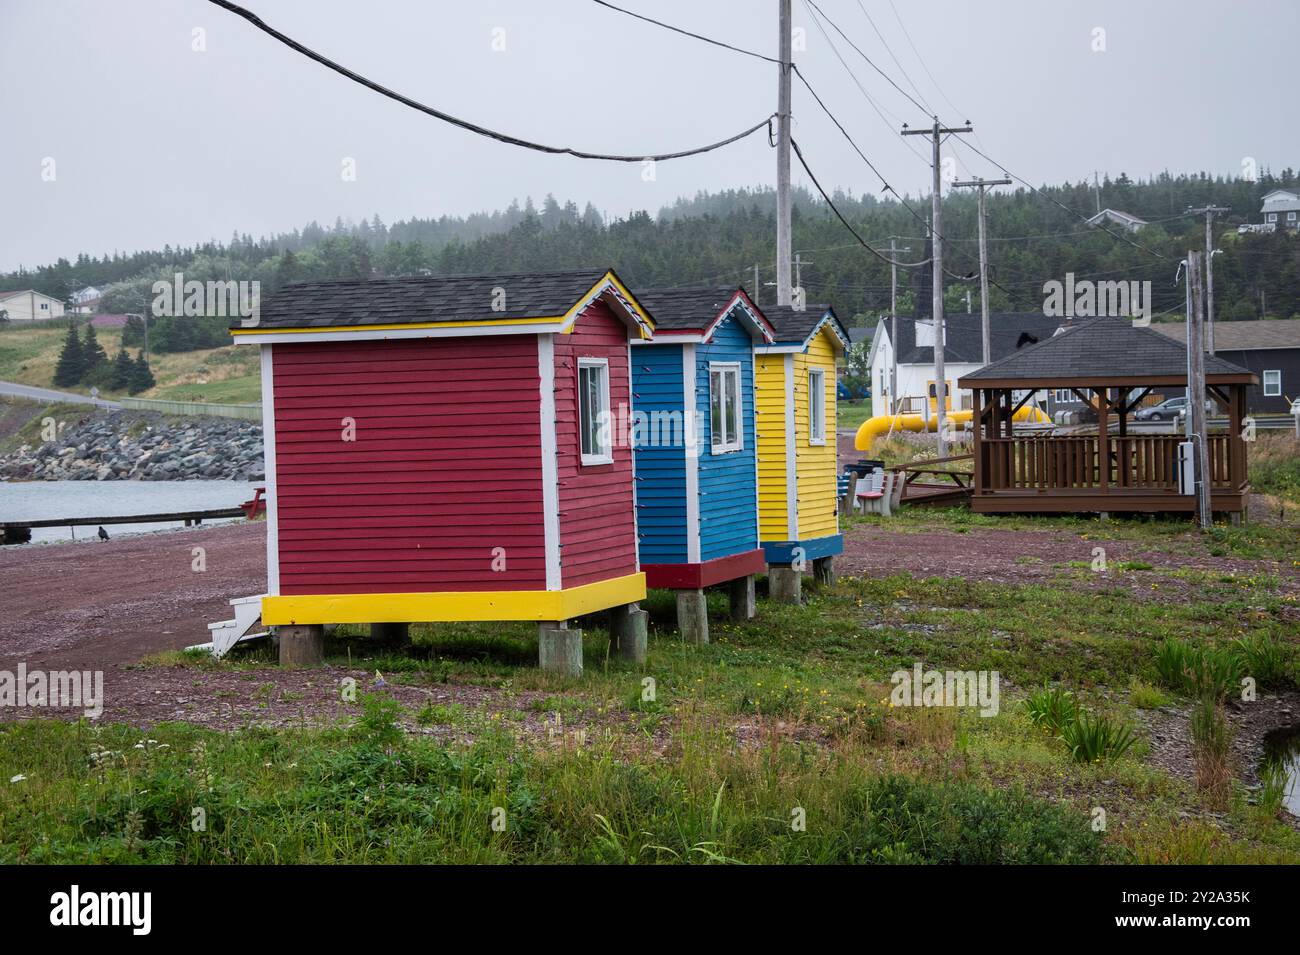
<point x="770" y="407"/>
<point x="815" y="464"/>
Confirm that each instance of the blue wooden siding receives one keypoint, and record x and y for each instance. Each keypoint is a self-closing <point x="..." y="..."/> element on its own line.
<point x="660" y="470"/>
<point x="728" y="487"/>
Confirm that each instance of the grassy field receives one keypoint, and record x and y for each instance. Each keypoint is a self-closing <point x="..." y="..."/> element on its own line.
<point x="850" y="415"/>
<point x="29" y="354"/>
<point x="777" y="742"/>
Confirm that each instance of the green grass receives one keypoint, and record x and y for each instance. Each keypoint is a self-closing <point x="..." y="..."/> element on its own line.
<point x="776" y="742"/>
<point x="849" y="416"/>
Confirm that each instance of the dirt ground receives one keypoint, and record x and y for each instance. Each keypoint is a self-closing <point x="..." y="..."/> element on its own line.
<point x="107" y="603"/>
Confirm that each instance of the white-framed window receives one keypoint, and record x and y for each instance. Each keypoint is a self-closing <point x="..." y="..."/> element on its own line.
<point x="1271" y="217"/>
<point x="816" y="406"/>
<point x="1290" y="217"/>
<point x="1273" y="383"/>
<point x="593" y="411"/>
<point x="725" y="407"/>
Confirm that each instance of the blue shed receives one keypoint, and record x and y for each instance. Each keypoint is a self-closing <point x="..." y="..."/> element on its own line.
<point x="696" y="460"/>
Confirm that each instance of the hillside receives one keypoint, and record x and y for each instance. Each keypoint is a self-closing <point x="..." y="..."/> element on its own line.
<point x="29" y="354"/>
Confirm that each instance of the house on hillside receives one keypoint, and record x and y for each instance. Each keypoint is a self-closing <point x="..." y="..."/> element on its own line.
<point x="28" y="305"/>
<point x="86" y="301"/>
<point x="1269" y="349"/>
<point x="963" y="353"/>
<point x="1281" y="209"/>
<point x="1128" y="221"/>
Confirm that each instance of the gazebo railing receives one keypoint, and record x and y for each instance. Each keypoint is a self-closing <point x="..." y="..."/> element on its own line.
<point x="1146" y="462"/>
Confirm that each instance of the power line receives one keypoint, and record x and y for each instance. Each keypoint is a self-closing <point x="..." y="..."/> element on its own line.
<point x="889" y="79"/>
<point x="696" y="36"/>
<point x="829" y="202"/>
<point x="916" y="89"/>
<point x="858" y="83"/>
<point x="1055" y="201"/>
<point x="465" y="124"/>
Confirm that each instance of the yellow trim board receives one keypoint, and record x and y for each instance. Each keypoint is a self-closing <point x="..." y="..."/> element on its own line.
<point x="464" y="606"/>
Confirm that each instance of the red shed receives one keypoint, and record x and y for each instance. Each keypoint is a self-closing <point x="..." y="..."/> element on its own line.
<point x="448" y="449"/>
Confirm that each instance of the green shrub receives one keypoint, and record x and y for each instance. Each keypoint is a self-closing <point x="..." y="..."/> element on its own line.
<point x="1051" y="708"/>
<point x="1265" y="658"/>
<point x="1092" y="739"/>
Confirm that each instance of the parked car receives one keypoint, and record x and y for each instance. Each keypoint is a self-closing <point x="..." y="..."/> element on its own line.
<point x="1171" y="409"/>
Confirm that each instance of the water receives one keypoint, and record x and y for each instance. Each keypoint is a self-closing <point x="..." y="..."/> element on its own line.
<point x="1282" y="752"/>
<point x="38" y="500"/>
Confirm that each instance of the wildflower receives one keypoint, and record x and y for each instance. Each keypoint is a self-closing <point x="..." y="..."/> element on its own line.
<point x="17" y="779"/>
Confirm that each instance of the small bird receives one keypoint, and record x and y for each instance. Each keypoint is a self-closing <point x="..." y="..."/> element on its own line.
<point x="103" y="534"/>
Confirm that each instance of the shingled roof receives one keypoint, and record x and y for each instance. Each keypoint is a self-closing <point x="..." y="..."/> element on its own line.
<point x="1104" y="350"/>
<point x="1251" y="335"/>
<point x="697" y="309"/>
<point x="963" y="340"/>
<point x="428" y="300"/>
<point x="795" y="326"/>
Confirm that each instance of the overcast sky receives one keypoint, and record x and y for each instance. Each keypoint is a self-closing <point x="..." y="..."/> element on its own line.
<point x="154" y="142"/>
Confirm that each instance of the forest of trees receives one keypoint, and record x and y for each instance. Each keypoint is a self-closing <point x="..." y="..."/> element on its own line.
<point x="719" y="237"/>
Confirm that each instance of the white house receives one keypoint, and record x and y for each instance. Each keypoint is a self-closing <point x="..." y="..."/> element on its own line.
<point x="1128" y="221"/>
<point x="1281" y="209"/>
<point x="30" y="306"/>
<point x="86" y="300"/>
<point x="963" y="353"/>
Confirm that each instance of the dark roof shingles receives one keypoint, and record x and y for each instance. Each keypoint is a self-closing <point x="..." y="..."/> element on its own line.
<point x="457" y="298"/>
<point x="1099" y="349"/>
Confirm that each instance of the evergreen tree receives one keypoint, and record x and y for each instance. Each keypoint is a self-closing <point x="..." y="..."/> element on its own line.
<point x="93" y="355"/>
<point x="123" y="369"/>
<point x="72" y="363"/>
<point x="141" y="376"/>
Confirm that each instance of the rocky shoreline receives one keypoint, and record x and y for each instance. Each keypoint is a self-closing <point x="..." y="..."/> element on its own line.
<point x="138" y="446"/>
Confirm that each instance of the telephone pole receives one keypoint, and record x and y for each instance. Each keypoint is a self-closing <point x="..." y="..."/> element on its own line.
<point x="783" y="214"/>
<point x="799" y="263"/>
<point x="986" y="333"/>
<point x="1196" y="392"/>
<point x="893" y="322"/>
<point x="1209" y="212"/>
<point x="936" y="132"/>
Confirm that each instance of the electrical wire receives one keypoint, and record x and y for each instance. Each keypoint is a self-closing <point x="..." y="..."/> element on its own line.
<point x="697" y="36"/>
<point x="466" y="124"/>
<point x="870" y="62"/>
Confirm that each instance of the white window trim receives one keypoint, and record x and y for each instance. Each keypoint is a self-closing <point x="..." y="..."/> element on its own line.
<point x="739" y="443"/>
<point x="820" y="373"/>
<point x="590" y="460"/>
<point x="1278" y="379"/>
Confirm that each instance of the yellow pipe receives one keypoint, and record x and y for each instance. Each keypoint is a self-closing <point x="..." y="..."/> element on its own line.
<point x="873" y="428"/>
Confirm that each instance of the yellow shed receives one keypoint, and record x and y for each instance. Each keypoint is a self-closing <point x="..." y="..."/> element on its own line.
<point x="798" y="510"/>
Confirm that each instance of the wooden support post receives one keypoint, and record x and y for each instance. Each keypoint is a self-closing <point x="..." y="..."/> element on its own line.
<point x="744" y="605"/>
<point x="628" y="632"/>
<point x="302" y="645"/>
<point x="693" y="616"/>
<point x="784" y="583"/>
<point x="1103" y="439"/>
<point x="824" y="571"/>
<point x="559" y="649"/>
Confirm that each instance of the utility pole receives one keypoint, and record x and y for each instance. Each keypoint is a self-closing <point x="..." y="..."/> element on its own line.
<point x="936" y="132"/>
<point x="893" y="322"/>
<point x="1196" y="391"/>
<point x="1096" y="187"/>
<point x="1209" y="212"/>
<point x="758" y="289"/>
<point x="799" y="263"/>
<point x="783" y="214"/>
<point x="986" y="333"/>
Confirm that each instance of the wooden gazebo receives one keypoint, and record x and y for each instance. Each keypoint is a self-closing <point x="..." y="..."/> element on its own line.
<point x="1113" y="466"/>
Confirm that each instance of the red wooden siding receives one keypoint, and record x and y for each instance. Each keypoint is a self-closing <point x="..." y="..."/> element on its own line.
<point x="597" y="516"/>
<point x="445" y="467"/>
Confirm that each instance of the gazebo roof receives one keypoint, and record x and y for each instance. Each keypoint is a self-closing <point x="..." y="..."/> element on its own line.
<point x="1101" y="352"/>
